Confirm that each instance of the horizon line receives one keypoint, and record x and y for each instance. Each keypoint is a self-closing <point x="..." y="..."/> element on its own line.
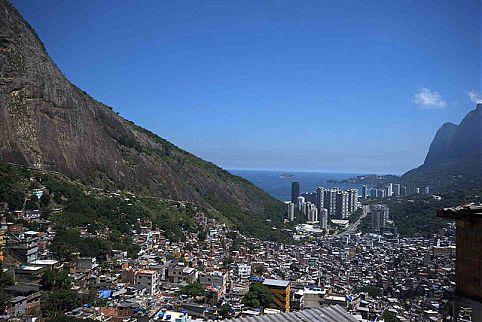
<point x="314" y="171"/>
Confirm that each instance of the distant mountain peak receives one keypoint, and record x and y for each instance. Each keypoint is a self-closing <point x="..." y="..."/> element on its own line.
<point x="454" y="157"/>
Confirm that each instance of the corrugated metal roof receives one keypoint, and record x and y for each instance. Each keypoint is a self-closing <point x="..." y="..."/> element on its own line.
<point x="332" y="313"/>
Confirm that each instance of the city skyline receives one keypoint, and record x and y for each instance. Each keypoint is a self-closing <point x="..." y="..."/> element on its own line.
<point x="226" y="73"/>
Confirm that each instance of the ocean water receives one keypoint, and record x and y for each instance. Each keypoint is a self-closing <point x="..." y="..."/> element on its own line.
<point x="278" y="183"/>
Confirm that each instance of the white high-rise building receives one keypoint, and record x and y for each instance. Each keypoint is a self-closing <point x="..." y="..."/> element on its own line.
<point x="396" y="189"/>
<point x="323" y="218"/>
<point x="291" y="211"/>
<point x="330" y="201"/>
<point x="320" y="196"/>
<point x="389" y="190"/>
<point x="299" y="201"/>
<point x="380" y="216"/>
<point x="364" y="191"/>
<point x="312" y="213"/>
<point x="341" y="202"/>
<point x="352" y="200"/>
<point x="381" y="193"/>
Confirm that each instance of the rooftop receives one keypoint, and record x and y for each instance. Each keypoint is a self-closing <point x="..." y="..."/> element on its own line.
<point x="461" y="212"/>
<point x="279" y="283"/>
<point x="333" y="313"/>
<point x="45" y="262"/>
<point x="146" y="272"/>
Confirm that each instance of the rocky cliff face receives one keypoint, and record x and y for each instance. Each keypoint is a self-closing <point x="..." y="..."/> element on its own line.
<point x="439" y="148"/>
<point x="46" y="122"/>
<point x="454" y="160"/>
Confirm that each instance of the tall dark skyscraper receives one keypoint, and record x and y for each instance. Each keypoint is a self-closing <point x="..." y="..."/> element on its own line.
<point x="295" y="191"/>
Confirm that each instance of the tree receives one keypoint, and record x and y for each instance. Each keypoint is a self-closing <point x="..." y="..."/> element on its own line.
<point x="92" y="297"/>
<point x="56" y="302"/>
<point x="258" y="295"/>
<point x="225" y="311"/>
<point x="14" y="199"/>
<point x="45" y="199"/>
<point x="372" y="291"/>
<point x="6" y="279"/>
<point x="55" y="281"/>
<point x="389" y="316"/>
<point x="193" y="289"/>
<point x="202" y="235"/>
<point x="32" y="203"/>
<point x="57" y="297"/>
<point x="227" y="261"/>
<point x="259" y="269"/>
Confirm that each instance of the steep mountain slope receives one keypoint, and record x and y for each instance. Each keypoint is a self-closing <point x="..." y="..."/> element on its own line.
<point x="454" y="160"/>
<point x="48" y="123"/>
<point x="441" y="143"/>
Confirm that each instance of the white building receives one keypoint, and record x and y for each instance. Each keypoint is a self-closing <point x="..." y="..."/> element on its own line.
<point x="291" y="211"/>
<point x="323" y="218"/>
<point x="352" y="200"/>
<point x="147" y="279"/>
<point x="179" y="273"/>
<point x="215" y="279"/>
<point x="244" y="271"/>
<point x="389" y="190"/>
<point x="380" y="215"/>
<point x="171" y="316"/>
<point x="396" y="189"/>
<point x="312" y="213"/>
<point x="312" y="297"/>
<point x="299" y="201"/>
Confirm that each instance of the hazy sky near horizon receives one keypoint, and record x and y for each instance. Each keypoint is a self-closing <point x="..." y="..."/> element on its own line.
<point x="346" y="86"/>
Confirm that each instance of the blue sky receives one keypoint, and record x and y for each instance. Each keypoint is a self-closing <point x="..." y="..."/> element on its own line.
<point x="299" y="85"/>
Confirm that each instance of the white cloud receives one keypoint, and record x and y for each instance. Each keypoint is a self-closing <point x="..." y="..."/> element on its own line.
<point x="426" y="98"/>
<point x="475" y="97"/>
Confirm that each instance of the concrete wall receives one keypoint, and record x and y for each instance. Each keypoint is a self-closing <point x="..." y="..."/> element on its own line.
<point x="469" y="258"/>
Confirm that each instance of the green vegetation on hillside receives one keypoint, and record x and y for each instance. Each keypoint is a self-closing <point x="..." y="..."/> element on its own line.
<point x="57" y="297"/>
<point x="108" y="219"/>
<point x="416" y="215"/>
<point x="258" y="295"/>
<point x="354" y="216"/>
<point x="370" y="179"/>
<point x="12" y="189"/>
<point x="256" y="219"/>
<point x="92" y="222"/>
<point x="6" y="279"/>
